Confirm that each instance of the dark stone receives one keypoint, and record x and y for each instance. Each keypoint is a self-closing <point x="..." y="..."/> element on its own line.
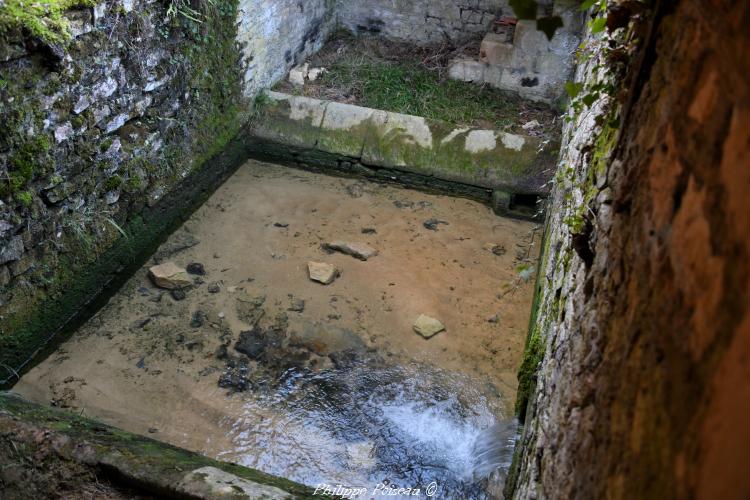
<point x="236" y="377"/>
<point x="12" y="250"/>
<point x="178" y="294"/>
<point x="432" y="224"/>
<point x="214" y="288"/>
<point x="254" y="343"/>
<point x="196" y="268"/>
<point x="280" y="224"/>
<point x="198" y="319"/>
<point x="369" y="230"/>
<point x="297" y="305"/>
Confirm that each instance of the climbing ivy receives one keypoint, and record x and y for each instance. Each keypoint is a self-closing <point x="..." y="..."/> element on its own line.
<point x="612" y="45"/>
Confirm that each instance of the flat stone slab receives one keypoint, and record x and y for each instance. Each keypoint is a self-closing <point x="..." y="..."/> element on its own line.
<point x="361" y="251"/>
<point x="210" y="482"/>
<point x="345" y="129"/>
<point x="489" y="159"/>
<point x="291" y="120"/>
<point x="322" y="272"/>
<point x="428" y="327"/>
<point x="169" y="276"/>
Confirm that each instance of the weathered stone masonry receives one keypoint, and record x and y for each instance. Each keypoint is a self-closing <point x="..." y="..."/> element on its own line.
<point x="643" y="318"/>
<point x="95" y="132"/>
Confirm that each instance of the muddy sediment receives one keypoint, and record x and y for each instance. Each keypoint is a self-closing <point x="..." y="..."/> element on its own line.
<point x="257" y="364"/>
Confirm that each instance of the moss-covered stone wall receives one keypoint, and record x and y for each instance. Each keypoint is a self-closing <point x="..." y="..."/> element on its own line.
<point x="636" y="381"/>
<point x="106" y="109"/>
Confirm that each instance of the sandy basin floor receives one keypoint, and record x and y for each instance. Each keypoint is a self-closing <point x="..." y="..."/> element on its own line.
<point x="145" y="364"/>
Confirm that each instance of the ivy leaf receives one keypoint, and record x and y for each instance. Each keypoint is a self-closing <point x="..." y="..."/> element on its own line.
<point x="573" y="89"/>
<point x="590" y="99"/>
<point x="548" y="25"/>
<point x="598" y="24"/>
<point x="524" y="9"/>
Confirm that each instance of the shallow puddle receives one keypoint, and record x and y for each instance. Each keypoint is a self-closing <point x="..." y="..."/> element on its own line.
<point x="327" y="384"/>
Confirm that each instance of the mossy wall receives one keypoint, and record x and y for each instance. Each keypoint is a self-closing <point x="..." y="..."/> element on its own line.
<point x="635" y="382"/>
<point x="103" y="118"/>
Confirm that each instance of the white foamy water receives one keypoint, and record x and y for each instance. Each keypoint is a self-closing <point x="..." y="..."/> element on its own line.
<point x="362" y="427"/>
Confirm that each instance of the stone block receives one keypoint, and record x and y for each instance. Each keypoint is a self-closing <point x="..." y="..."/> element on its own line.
<point x="400" y="140"/>
<point x="291" y="120"/>
<point x="213" y="483"/>
<point x="528" y="39"/>
<point x="495" y="50"/>
<point x="467" y="70"/>
<point x="345" y="129"/>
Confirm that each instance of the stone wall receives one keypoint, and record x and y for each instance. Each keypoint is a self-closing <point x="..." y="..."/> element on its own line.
<point x="96" y="129"/>
<point x="637" y="363"/>
<point x="527" y="62"/>
<point x="275" y="35"/>
<point x="421" y="21"/>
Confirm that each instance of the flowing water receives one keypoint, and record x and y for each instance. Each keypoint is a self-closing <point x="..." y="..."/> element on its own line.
<point x="337" y="388"/>
<point x="359" y="426"/>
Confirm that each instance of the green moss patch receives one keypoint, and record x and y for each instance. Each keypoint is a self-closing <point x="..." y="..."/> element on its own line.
<point x="43" y="19"/>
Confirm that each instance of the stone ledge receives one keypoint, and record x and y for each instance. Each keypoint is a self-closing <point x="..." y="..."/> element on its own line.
<point x="487" y="159"/>
<point x="138" y="462"/>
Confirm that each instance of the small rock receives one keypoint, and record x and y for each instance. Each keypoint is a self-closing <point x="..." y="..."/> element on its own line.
<point x="169" y="276"/>
<point x="361" y="251"/>
<point x="531" y="125"/>
<point x="196" y="268"/>
<point x="214" y="288"/>
<point x="369" y="230"/>
<point x="403" y="204"/>
<point x="297" y="75"/>
<point x="427" y="326"/>
<point x="198" y="319"/>
<point x="178" y="294"/>
<point x="495" y="318"/>
<point x="12" y="251"/>
<point x="315" y="73"/>
<point x="153" y="430"/>
<point x="231" y="289"/>
<point x="498" y="250"/>
<point x="296" y="305"/>
<point x="432" y="224"/>
<point x="280" y="224"/>
<point x="355" y="190"/>
<point x="322" y="273"/>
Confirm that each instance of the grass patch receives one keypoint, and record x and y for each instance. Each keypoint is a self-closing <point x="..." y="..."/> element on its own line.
<point x="376" y="73"/>
<point x="417" y="91"/>
<point x="43" y="19"/>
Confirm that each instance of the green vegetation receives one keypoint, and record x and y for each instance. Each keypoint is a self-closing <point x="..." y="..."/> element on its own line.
<point x="412" y="89"/>
<point x="27" y="161"/>
<point x="43" y="18"/>
<point x="24" y="198"/>
<point x="113" y="183"/>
